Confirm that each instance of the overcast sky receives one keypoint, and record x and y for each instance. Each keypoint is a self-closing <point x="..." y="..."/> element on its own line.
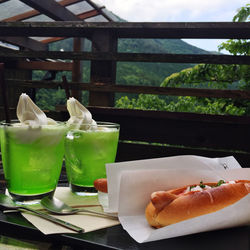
<point x="177" y="11"/>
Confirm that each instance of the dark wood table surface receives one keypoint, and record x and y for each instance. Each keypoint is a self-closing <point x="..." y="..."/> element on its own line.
<point x="15" y="226"/>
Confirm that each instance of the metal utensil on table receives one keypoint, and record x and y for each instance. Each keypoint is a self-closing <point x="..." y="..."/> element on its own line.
<point x="6" y="202"/>
<point x="57" y="206"/>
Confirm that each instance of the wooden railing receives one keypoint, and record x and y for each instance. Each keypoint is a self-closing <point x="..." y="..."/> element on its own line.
<point x="144" y="134"/>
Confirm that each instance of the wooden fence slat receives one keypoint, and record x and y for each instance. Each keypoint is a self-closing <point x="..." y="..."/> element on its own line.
<point x="39" y="65"/>
<point x="101" y="87"/>
<point x="129" y="30"/>
<point x="123" y="57"/>
<point x="134" y="151"/>
<point x="202" y="131"/>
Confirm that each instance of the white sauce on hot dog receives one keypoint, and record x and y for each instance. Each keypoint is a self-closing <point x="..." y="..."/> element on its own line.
<point x="198" y="188"/>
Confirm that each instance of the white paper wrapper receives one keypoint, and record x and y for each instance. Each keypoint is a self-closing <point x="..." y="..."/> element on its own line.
<point x="189" y="162"/>
<point x="135" y="181"/>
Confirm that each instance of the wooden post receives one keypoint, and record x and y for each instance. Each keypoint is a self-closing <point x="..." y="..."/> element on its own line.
<point x="77" y="68"/>
<point x="103" y="71"/>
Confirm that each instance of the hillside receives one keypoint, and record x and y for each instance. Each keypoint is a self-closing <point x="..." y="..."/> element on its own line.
<point x="148" y="74"/>
<point x="152" y="73"/>
<point x="141" y="73"/>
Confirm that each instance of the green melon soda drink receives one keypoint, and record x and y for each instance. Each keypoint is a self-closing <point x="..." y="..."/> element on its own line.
<point x="89" y="145"/>
<point x="32" y="152"/>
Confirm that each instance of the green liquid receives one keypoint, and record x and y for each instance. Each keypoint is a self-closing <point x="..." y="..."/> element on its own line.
<point x="32" y="158"/>
<point x="87" y="152"/>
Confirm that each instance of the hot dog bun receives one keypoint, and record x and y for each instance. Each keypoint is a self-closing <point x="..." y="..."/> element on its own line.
<point x="101" y="185"/>
<point x="169" y="207"/>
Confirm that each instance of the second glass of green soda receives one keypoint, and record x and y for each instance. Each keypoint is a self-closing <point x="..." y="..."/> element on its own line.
<point x="86" y="153"/>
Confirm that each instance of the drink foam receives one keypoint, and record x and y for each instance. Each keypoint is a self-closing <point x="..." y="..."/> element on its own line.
<point x="46" y="134"/>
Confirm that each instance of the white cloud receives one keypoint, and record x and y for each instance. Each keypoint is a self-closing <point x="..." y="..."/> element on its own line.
<point x="174" y="10"/>
<point x="177" y="11"/>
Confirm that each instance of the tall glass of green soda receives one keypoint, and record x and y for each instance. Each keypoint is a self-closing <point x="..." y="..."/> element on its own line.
<point x="87" y="150"/>
<point x="32" y="158"/>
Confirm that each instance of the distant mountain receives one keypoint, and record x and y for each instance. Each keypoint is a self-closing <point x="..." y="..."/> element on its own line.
<point x="176" y="46"/>
<point x="152" y="73"/>
<point x="140" y="73"/>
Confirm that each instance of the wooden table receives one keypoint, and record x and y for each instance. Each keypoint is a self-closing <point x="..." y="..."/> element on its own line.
<point x="15" y="226"/>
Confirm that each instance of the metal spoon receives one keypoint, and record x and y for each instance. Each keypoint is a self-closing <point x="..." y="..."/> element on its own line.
<point x="6" y="202"/>
<point x="59" y="207"/>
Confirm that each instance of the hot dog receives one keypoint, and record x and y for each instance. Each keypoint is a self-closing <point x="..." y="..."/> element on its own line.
<point x="101" y="185"/>
<point x="169" y="207"/>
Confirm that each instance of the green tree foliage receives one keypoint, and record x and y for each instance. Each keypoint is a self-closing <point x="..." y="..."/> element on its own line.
<point x="239" y="46"/>
<point x="47" y="99"/>
<point x="181" y="104"/>
<point x="236" y="47"/>
<point x="210" y="76"/>
<point x="204" y="76"/>
<point x="243" y="14"/>
<point x="149" y="102"/>
<point x="207" y="106"/>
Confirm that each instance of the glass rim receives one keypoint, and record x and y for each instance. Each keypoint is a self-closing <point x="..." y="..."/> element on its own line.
<point x="98" y="124"/>
<point x="104" y="124"/>
<point x="16" y="121"/>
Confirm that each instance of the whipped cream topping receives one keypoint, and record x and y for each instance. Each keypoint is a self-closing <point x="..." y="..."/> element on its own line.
<point x="29" y="113"/>
<point x="80" y="117"/>
<point x="34" y="124"/>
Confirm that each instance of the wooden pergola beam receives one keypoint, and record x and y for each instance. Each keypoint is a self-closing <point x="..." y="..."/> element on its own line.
<point x="52" y="39"/>
<point x="99" y="9"/>
<point x="33" y="13"/>
<point x="82" y="16"/>
<point x="22" y="16"/>
<point x="25" y="42"/>
<point x="47" y="7"/>
<point x="88" y="14"/>
<point x="35" y="45"/>
<point x="52" y="9"/>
